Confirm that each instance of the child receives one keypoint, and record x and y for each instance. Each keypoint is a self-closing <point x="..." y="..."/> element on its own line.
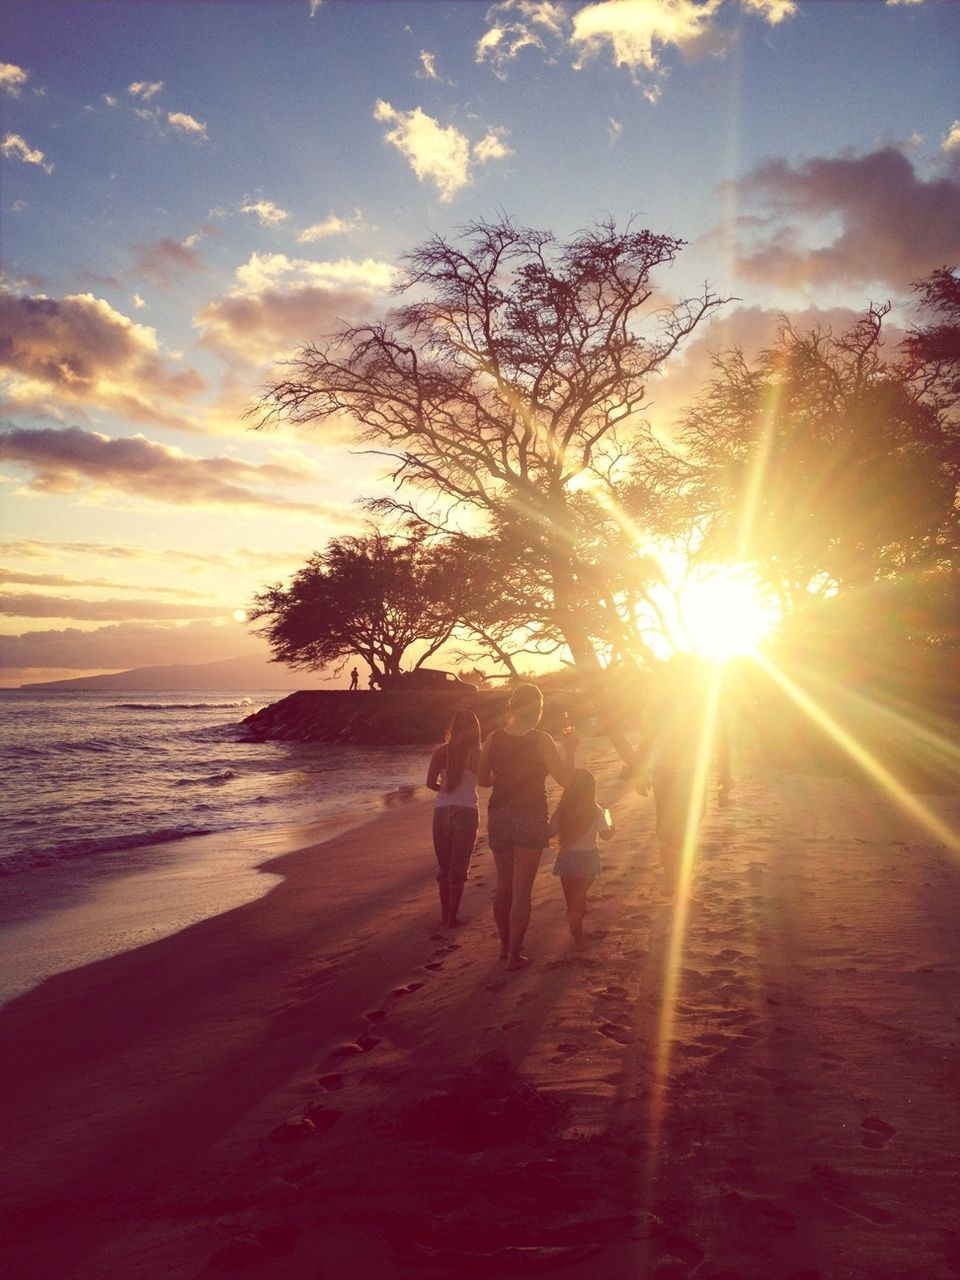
<point x="577" y="822"/>
<point x="452" y="773"/>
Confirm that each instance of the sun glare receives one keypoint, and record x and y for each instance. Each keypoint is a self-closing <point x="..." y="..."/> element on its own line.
<point x="724" y="614"/>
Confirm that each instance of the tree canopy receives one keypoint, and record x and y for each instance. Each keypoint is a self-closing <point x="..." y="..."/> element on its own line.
<point x="371" y="597"/>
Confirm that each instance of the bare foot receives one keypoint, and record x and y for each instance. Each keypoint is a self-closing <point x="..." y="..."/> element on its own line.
<point x="518" y="962"/>
<point x="504" y="955"/>
<point x="455" y="922"/>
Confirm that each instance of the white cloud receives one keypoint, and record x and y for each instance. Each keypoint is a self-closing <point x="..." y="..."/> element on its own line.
<point x="137" y="301"/>
<point x="16" y="148"/>
<point x="633" y="29"/>
<point x="109" y="99"/>
<point x="517" y="25"/>
<point x="428" y="68"/>
<point x="491" y="147"/>
<point x="183" y="123"/>
<point x="266" y="271"/>
<point x="270" y="215"/>
<point x="773" y="10"/>
<point x="314" y="6"/>
<point x="145" y="89"/>
<point x="952" y="140"/>
<point x="614" y="130"/>
<point x="330" y="226"/>
<point x="188" y="242"/>
<point x="12" y="78"/>
<point x="438" y="154"/>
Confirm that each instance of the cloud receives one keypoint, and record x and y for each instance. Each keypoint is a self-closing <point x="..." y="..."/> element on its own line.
<point x="516" y="25"/>
<point x="952" y="140"/>
<point x="636" y="30"/>
<point x="180" y="122"/>
<point x="79" y="610"/>
<point x="109" y="100"/>
<point x="163" y="261"/>
<point x="330" y="226"/>
<point x="775" y="11"/>
<point x="138" y="301"/>
<point x="491" y="147"/>
<point x="314" y="6"/>
<point x="12" y="78"/>
<point x="145" y="89"/>
<point x="127" y="645"/>
<point x="278" y="303"/>
<point x="614" y="131"/>
<point x="270" y="215"/>
<point x="69" y="460"/>
<point x="428" y="70"/>
<point x="894" y="227"/>
<point x="22" y="578"/>
<point x="78" y="350"/>
<point x="436" y="153"/>
<point x="16" y="148"/>
<point x="192" y="561"/>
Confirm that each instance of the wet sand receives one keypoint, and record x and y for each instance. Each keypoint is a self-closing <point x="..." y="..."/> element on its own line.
<point x="322" y="1083"/>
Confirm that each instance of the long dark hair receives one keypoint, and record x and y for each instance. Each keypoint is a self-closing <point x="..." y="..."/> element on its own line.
<point x="577" y="806"/>
<point x="463" y="744"/>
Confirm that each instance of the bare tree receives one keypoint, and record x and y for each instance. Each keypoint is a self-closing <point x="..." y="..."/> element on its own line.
<point x="510" y="380"/>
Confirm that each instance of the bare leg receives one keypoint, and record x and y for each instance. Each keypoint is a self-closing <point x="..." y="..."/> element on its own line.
<point x="503" y="899"/>
<point x="575" y="889"/>
<point x="670" y="854"/>
<point x="526" y="862"/>
<point x="454" y="894"/>
<point x="444" y="888"/>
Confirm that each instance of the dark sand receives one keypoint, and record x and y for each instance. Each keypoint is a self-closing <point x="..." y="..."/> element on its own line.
<point x="322" y="1084"/>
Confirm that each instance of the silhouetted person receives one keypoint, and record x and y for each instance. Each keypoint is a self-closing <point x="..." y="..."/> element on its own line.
<point x="354" y="678"/>
<point x="515" y="762"/>
<point x="683" y="734"/>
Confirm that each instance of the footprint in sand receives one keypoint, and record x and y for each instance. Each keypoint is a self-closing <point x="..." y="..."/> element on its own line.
<point x="509" y="1026"/>
<point x="451" y="946"/>
<point x="876" y="1132"/>
<point x="568" y="1050"/>
<point x="376" y="1015"/>
<point x="407" y="990"/>
<point x="330" y="1082"/>
<point x="434" y="965"/>
<point x="495" y="986"/>
<point x="362" y="1044"/>
<point x="613" y="1031"/>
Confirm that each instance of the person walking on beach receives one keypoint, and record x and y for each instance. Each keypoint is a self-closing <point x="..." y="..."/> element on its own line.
<point x="682" y="731"/>
<point x="354" y="678"/>
<point x="452" y="773"/>
<point x="516" y="762"/>
<point x="578" y="822"/>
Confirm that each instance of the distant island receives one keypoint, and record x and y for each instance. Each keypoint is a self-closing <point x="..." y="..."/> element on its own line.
<point x="229" y="673"/>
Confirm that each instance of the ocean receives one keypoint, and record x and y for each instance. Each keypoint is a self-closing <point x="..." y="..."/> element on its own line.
<point x="159" y="791"/>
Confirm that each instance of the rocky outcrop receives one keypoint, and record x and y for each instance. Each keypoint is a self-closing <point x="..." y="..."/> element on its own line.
<point x="389" y="718"/>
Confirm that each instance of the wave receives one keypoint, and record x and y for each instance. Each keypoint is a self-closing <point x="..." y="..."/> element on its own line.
<point x="211" y="780"/>
<point x="31" y="857"/>
<point x="177" y="706"/>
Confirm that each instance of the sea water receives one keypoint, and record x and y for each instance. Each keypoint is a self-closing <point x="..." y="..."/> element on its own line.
<point x="155" y="809"/>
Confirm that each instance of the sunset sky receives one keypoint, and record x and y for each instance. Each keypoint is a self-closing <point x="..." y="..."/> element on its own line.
<point x="192" y="189"/>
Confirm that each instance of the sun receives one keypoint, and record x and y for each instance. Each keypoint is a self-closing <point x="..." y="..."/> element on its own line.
<point x="239" y="615"/>
<point x="724" y="614"/>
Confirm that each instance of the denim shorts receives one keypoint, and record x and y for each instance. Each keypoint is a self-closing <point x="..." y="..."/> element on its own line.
<point x="454" y="835"/>
<point x="509" y="829"/>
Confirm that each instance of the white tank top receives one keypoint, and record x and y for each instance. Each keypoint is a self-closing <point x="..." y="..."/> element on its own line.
<point x="464" y="795"/>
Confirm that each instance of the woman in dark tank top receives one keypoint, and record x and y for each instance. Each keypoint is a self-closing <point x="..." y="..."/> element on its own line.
<point x="516" y="762"/>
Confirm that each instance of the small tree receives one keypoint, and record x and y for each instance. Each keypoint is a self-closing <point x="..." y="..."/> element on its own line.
<point x="370" y="597"/>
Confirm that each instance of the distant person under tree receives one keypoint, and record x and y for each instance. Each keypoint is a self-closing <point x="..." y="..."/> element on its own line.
<point x="354" y="678"/>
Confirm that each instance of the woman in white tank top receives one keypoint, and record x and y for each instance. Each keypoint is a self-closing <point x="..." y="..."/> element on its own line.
<point x="452" y="773"/>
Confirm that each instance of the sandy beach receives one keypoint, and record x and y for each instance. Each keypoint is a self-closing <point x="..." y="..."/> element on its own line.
<point x="322" y="1083"/>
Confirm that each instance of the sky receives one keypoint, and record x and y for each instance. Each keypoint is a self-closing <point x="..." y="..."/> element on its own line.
<point x="192" y="189"/>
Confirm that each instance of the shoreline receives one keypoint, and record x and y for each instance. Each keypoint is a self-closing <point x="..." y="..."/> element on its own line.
<point x="322" y="1073"/>
<point x="76" y="912"/>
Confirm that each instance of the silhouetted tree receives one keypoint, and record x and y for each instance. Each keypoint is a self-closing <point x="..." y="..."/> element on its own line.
<point x="511" y="379"/>
<point x="371" y="597"/>
<point x="822" y="463"/>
